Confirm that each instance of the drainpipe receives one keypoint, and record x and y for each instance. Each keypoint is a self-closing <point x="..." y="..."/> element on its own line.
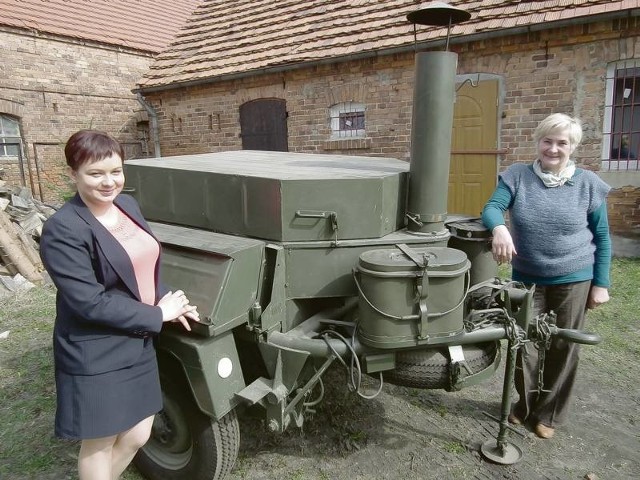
<point x="154" y="123"/>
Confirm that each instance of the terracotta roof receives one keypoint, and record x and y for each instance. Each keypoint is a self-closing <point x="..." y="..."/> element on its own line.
<point x="146" y="25"/>
<point x="235" y="37"/>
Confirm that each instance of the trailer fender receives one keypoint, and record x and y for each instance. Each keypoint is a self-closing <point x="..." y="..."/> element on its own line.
<point x="211" y="367"/>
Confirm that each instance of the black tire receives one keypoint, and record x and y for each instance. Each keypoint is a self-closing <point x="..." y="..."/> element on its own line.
<point x="430" y="368"/>
<point x="186" y="444"/>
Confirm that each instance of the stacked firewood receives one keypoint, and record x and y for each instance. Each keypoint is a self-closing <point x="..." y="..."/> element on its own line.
<point x="21" y="219"/>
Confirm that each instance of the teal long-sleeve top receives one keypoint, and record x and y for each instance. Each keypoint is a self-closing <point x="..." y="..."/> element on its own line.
<point x="598" y="224"/>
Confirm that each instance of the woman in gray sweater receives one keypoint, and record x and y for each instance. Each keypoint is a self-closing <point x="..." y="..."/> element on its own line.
<point x="558" y="240"/>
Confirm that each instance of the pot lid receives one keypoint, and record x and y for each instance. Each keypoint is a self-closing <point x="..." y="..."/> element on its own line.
<point x="470" y="228"/>
<point x="395" y="260"/>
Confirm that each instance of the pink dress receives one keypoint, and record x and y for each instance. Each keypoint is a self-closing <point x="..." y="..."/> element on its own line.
<point x="143" y="250"/>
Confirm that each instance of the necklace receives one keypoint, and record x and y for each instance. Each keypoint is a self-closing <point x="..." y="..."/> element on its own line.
<point x="124" y="228"/>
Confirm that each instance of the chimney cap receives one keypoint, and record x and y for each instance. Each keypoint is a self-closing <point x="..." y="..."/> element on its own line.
<point x="438" y="13"/>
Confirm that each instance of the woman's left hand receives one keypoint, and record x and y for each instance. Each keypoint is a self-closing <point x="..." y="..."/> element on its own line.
<point x="176" y="308"/>
<point x="597" y="296"/>
<point x="192" y="314"/>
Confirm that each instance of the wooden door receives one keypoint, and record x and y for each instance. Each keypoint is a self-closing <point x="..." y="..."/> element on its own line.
<point x="473" y="170"/>
<point x="263" y="125"/>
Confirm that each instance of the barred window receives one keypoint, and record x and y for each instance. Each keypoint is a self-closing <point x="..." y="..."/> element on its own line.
<point x="347" y="120"/>
<point x="9" y="136"/>
<point x="621" y="136"/>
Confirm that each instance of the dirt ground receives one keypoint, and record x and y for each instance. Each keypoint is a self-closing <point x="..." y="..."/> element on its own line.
<point x="406" y="433"/>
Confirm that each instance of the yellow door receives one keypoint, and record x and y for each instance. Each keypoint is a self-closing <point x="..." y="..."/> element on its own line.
<point x="472" y="174"/>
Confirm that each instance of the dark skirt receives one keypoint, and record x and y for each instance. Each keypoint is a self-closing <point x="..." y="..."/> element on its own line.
<point x="95" y="406"/>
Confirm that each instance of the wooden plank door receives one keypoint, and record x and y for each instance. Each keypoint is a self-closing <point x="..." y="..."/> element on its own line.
<point x="263" y="125"/>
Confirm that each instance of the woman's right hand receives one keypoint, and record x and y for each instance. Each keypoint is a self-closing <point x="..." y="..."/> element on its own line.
<point x="175" y="307"/>
<point x="502" y="246"/>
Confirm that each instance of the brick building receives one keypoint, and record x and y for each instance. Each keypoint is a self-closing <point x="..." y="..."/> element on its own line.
<point x="71" y="64"/>
<point x="337" y="77"/>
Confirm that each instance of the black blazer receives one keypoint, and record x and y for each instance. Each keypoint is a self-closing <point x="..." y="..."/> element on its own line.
<point x="100" y="321"/>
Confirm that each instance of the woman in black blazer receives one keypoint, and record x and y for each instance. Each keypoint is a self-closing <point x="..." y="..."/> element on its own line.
<point x="104" y="261"/>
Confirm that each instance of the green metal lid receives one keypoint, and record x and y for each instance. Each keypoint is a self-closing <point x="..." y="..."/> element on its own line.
<point x="471" y="228"/>
<point x="395" y="260"/>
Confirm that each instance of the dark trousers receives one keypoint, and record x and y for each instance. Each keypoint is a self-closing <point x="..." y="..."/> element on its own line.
<point x="568" y="301"/>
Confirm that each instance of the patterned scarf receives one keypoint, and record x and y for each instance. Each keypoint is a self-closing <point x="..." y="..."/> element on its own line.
<point x="555" y="180"/>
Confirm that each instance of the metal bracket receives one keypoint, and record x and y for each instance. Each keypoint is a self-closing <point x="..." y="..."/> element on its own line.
<point x="468" y="80"/>
<point x="422" y="287"/>
<point x="457" y="356"/>
<point x="415" y="218"/>
<point x="332" y="216"/>
<point x="255" y="312"/>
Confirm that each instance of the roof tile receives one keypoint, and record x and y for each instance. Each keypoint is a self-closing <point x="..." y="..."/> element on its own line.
<point x="225" y="37"/>
<point x="146" y="25"/>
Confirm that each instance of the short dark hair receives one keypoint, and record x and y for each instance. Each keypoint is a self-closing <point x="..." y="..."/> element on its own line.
<point x="90" y="146"/>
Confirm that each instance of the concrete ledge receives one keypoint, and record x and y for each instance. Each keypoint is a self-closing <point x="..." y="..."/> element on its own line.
<point x="621" y="179"/>
<point x="625" y="247"/>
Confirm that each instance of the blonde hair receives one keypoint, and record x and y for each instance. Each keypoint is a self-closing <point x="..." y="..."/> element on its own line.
<point x="560" y="121"/>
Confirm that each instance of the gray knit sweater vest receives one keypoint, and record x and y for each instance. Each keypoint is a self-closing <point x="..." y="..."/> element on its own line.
<point x="549" y="225"/>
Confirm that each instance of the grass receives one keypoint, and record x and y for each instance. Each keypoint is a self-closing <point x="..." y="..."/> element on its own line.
<point x="455" y="448"/>
<point x="28" y="449"/>
<point x="618" y="323"/>
<point x="27" y="394"/>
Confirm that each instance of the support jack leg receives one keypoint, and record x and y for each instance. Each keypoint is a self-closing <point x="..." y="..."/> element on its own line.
<point x="499" y="450"/>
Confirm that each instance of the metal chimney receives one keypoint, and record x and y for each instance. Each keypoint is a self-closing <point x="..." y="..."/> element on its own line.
<point x="432" y="123"/>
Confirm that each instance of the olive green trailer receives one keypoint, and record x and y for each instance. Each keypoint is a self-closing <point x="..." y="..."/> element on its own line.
<point x="298" y="260"/>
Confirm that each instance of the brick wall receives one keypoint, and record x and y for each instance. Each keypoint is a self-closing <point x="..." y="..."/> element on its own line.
<point x="57" y="87"/>
<point x="559" y="70"/>
<point x="624" y="210"/>
<point x="541" y="72"/>
<point x="206" y="118"/>
<point x="562" y="71"/>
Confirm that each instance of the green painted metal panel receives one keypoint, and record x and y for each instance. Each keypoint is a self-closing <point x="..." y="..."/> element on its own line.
<point x="220" y="273"/>
<point x="278" y="196"/>
<point x="321" y="269"/>
<point x="200" y="358"/>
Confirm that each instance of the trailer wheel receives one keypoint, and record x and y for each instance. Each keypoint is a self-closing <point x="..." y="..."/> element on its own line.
<point x="186" y="444"/>
<point x="429" y="368"/>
